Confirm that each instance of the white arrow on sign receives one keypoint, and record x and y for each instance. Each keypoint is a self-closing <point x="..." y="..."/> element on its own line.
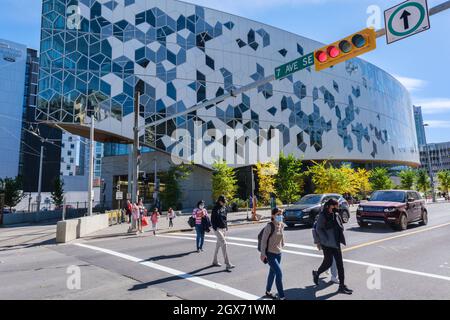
<point x="406" y="19"/>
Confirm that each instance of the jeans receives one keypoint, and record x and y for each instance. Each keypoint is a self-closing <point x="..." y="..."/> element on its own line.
<point x="329" y="254"/>
<point x="170" y="222"/>
<point x="200" y="236"/>
<point x="221" y="244"/>
<point x="275" y="273"/>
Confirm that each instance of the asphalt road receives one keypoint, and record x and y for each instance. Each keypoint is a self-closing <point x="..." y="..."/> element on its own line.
<point x="379" y="263"/>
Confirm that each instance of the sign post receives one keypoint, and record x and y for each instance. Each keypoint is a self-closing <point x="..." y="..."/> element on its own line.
<point x="294" y="66"/>
<point x="406" y="19"/>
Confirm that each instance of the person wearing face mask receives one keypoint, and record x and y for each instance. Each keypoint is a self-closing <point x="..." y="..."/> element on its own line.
<point x="200" y="213"/>
<point x="330" y="230"/>
<point x="219" y="224"/>
<point x="272" y="243"/>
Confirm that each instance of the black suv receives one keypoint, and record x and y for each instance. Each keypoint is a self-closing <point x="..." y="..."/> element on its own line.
<point x="307" y="208"/>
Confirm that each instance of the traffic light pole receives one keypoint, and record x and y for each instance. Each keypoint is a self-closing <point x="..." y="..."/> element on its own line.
<point x="91" y="167"/>
<point x="134" y="193"/>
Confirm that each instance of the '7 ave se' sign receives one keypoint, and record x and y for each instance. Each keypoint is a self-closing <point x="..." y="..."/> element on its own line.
<point x="294" y="66"/>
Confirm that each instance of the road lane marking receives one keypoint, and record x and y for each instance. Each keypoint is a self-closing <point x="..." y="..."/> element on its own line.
<point x="206" y="283"/>
<point x="291" y="245"/>
<point x="363" y="263"/>
<point x="362" y="245"/>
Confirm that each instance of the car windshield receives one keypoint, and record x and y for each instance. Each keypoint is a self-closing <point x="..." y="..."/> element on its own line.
<point x="391" y="196"/>
<point x="310" y="199"/>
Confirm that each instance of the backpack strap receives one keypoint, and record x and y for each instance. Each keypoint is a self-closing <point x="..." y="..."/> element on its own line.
<point x="272" y="230"/>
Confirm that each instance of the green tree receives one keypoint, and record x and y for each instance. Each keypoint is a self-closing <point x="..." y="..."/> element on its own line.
<point x="379" y="179"/>
<point x="444" y="180"/>
<point x="58" y="191"/>
<point x="290" y="179"/>
<point x="172" y="194"/>
<point x="224" y="181"/>
<point x="407" y="179"/>
<point x="423" y="181"/>
<point x="266" y="173"/>
<point x="13" y="191"/>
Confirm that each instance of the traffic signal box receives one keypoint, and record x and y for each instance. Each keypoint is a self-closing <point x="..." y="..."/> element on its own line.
<point x="345" y="49"/>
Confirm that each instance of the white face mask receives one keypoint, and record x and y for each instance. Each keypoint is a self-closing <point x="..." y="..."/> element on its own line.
<point x="202" y="207"/>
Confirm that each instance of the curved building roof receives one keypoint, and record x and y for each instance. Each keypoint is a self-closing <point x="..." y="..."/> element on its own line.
<point x="179" y="55"/>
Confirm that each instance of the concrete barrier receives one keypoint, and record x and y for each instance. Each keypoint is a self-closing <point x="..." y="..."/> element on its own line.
<point x="93" y="224"/>
<point x="67" y="230"/>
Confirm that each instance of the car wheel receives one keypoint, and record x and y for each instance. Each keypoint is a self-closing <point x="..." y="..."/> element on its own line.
<point x="363" y="224"/>
<point x="424" y="221"/>
<point x="345" y="216"/>
<point x="403" y="223"/>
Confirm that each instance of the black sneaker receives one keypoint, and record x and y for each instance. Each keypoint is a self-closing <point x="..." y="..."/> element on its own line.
<point x="345" y="290"/>
<point x="315" y="277"/>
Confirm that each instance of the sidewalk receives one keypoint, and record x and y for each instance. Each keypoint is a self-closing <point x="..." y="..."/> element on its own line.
<point x="180" y="224"/>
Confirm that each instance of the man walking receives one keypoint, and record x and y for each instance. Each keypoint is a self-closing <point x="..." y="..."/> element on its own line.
<point x="219" y="224"/>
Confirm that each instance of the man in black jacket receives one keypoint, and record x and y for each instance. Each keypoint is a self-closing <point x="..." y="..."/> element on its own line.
<point x="219" y="224"/>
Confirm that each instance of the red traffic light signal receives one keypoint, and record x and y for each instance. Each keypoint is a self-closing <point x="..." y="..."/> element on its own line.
<point x="345" y="49"/>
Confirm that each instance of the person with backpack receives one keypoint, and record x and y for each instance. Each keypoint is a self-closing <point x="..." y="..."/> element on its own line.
<point x="271" y="243"/>
<point x="330" y="230"/>
<point x="170" y="216"/>
<point x="155" y="218"/>
<point x="333" y="269"/>
<point x="199" y="215"/>
<point x="219" y="225"/>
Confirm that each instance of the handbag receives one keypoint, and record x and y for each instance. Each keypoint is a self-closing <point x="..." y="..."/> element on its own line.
<point x="191" y="222"/>
<point x="144" y="221"/>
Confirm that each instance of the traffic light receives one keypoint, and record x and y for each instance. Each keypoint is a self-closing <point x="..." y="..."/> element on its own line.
<point x="345" y="49"/>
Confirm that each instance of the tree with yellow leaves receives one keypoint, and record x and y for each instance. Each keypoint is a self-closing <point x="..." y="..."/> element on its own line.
<point x="266" y="173"/>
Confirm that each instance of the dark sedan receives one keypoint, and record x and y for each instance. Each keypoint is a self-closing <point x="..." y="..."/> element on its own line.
<point x="306" y="210"/>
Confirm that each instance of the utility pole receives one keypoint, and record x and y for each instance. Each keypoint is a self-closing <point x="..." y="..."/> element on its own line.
<point x="156" y="194"/>
<point x="38" y="200"/>
<point x="91" y="167"/>
<point x="134" y="193"/>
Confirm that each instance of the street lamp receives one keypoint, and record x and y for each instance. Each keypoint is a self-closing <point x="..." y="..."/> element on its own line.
<point x="430" y="171"/>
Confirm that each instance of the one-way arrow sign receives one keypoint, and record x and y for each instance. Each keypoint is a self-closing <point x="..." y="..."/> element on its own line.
<point x="406" y="19"/>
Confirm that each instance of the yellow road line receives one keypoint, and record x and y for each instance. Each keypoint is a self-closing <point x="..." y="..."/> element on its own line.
<point x="395" y="237"/>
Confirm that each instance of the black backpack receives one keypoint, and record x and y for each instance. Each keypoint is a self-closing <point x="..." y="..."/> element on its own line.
<point x="260" y="235"/>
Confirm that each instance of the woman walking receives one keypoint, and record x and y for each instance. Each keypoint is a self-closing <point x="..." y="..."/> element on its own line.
<point x="141" y="209"/>
<point x="170" y="216"/>
<point x="272" y="243"/>
<point x="199" y="213"/>
<point x="330" y="230"/>
<point x="155" y="218"/>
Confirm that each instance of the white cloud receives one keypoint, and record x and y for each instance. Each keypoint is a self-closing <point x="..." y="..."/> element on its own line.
<point x="434" y="105"/>
<point x="412" y="84"/>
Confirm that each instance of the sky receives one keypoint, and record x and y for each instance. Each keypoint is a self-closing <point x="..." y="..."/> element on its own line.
<point x="421" y="62"/>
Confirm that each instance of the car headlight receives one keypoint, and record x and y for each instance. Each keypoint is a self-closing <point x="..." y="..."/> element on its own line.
<point x="389" y="210"/>
<point x="360" y="209"/>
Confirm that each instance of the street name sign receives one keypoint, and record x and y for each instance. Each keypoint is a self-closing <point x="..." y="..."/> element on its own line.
<point x="294" y="66"/>
<point x="406" y="19"/>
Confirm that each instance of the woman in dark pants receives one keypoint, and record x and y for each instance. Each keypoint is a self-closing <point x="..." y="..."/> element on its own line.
<point x="330" y="229"/>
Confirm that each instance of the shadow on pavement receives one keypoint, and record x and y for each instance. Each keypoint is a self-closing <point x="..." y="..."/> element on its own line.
<point x="174" y="278"/>
<point x="380" y="228"/>
<point x="173" y="256"/>
<point x="309" y="292"/>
